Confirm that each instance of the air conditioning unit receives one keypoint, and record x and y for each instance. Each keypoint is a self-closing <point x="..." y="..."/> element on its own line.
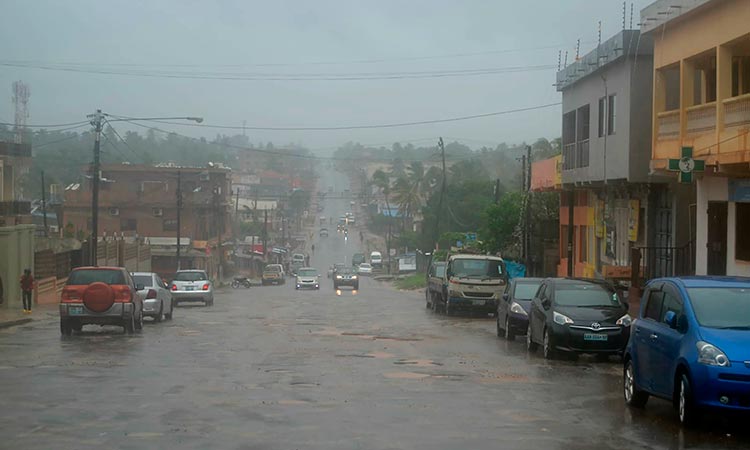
<point x="114" y="211"/>
<point x="158" y="212"/>
<point x="205" y="176"/>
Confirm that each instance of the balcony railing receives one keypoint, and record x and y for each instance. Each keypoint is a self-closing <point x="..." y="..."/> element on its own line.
<point x="737" y="111"/>
<point x="658" y="262"/>
<point x="701" y="118"/>
<point x="582" y="153"/>
<point x="569" y="157"/>
<point x="668" y="125"/>
<point x="15" y="208"/>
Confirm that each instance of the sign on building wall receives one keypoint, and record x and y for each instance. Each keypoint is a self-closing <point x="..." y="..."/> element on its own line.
<point x="739" y="191"/>
<point x="633" y="217"/>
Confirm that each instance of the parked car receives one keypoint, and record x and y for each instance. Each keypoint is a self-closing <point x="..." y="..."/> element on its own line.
<point x="577" y="315"/>
<point x="514" y="307"/>
<point x="273" y="274"/>
<point x="100" y="296"/>
<point x="307" y="278"/>
<point x="364" y="269"/>
<point x="435" y="282"/>
<point x="157" y="298"/>
<point x="691" y="345"/>
<point x="473" y="283"/>
<point x="192" y="285"/>
<point x="376" y="259"/>
<point x="346" y="277"/>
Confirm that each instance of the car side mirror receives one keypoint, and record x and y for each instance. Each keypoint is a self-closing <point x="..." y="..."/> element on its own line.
<point x="139" y="287"/>
<point x="546" y="303"/>
<point x="506" y="297"/>
<point x="670" y="318"/>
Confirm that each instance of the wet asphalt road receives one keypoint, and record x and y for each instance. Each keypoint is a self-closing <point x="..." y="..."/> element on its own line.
<point x="275" y="368"/>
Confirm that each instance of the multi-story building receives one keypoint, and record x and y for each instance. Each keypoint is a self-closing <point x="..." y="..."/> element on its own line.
<point x="141" y="201"/>
<point x="701" y="120"/>
<point x="606" y="138"/>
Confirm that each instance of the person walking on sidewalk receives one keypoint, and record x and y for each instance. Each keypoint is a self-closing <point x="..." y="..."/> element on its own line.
<point x="27" y="289"/>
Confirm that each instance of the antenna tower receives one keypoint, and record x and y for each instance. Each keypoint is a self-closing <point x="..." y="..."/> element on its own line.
<point x="21" y="94"/>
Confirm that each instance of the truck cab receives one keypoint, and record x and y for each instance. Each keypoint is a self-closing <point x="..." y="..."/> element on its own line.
<point x="473" y="283"/>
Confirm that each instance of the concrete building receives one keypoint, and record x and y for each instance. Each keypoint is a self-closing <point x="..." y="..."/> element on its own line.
<point x="606" y="138"/>
<point x="701" y="120"/>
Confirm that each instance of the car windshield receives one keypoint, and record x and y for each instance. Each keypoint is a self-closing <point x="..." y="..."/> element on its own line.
<point x="440" y="271"/>
<point x="88" y="276"/>
<point x="190" y="276"/>
<point x="526" y="290"/>
<point x="721" y="307"/>
<point x="307" y="272"/>
<point x="298" y="257"/>
<point x="345" y="271"/>
<point x="365" y="266"/>
<point x="477" y="268"/>
<point x="585" y="295"/>
<point x="145" y="280"/>
<point x="272" y="269"/>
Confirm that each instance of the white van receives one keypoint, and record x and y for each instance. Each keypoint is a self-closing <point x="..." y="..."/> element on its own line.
<point x="376" y="259"/>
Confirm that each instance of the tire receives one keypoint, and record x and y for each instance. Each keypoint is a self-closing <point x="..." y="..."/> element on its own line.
<point x="235" y="284"/>
<point x="170" y="314"/>
<point x="531" y="346"/>
<point x="139" y="321"/>
<point x="500" y="330"/>
<point x="129" y="325"/>
<point x="160" y="316"/>
<point x="65" y="328"/>
<point x="434" y="303"/>
<point x="634" y="397"/>
<point x="428" y="303"/>
<point x="77" y="327"/>
<point x="548" y="349"/>
<point x="509" y="334"/>
<point x="687" y="411"/>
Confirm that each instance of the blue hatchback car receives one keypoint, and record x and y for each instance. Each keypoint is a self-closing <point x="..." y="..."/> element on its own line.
<point x="691" y="345"/>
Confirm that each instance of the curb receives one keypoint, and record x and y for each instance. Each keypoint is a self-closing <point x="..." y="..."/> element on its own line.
<point x="13" y="323"/>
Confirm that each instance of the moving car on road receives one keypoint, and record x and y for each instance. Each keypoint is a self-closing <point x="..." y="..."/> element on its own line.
<point x="334" y="268"/>
<point x="323" y="232"/>
<point x="157" y="301"/>
<point x="358" y="258"/>
<point x="100" y="296"/>
<point x="577" y="315"/>
<point x="376" y="259"/>
<point x="192" y="286"/>
<point x="298" y="260"/>
<point x="513" y="309"/>
<point x="691" y="346"/>
<point x="273" y="274"/>
<point x="364" y="269"/>
<point x="307" y="278"/>
<point x="346" y="277"/>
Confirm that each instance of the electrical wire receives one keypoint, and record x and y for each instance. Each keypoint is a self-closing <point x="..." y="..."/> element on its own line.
<point x="141" y="157"/>
<point x="349" y="127"/>
<point x="83" y="122"/>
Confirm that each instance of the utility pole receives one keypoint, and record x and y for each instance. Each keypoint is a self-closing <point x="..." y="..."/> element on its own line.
<point x="527" y="228"/>
<point x="96" y="121"/>
<point x="179" y="214"/>
<point x="220" y="210"/>
<point x="571" y="219"/>
<point x="441" y="146"/>
<point x="265" y="232"/>
<point x="237" y="203"/>
<point x="44" y="206"/>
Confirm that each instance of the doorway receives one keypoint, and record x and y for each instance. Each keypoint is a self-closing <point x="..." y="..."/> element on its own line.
<point x="717" y="238"/>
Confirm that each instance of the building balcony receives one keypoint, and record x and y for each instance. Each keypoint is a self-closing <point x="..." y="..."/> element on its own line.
<point x="737" y="111"/>
<point x="701" y="119"/>
<point x="668" y="125"/>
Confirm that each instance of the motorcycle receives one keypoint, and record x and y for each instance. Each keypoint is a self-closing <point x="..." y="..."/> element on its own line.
<point x="240" y="281"/>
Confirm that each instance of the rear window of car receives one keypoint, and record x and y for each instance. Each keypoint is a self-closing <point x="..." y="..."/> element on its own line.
<point x="307" y="272"/>
<point x="272" y="269"/>
<point x="145" y="280"/>
<point x="88" y="276"/>
<point x="526" y="291"/>
<point x="190" y="276"/>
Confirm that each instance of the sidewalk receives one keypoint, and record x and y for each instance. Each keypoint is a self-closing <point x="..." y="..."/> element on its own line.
<point x="10" y="316"/>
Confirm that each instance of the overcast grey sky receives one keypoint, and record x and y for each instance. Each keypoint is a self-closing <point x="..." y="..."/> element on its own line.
<point x="139" y="35"/>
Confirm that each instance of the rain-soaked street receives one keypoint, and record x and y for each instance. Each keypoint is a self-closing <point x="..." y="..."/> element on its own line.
<point x="275" y="368"/>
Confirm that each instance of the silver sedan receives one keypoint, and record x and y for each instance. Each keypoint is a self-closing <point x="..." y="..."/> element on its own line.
<point x="157" y="301"/>
<point x="192" y="286"/>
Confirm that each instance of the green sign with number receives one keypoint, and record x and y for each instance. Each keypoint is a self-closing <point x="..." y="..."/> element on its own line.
<point x="686" y="165"/>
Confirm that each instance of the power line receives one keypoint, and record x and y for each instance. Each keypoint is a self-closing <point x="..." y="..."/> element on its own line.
<point x="83" y="122"/>
<point x="352" y="127"/>
<point x="124" y="141"/>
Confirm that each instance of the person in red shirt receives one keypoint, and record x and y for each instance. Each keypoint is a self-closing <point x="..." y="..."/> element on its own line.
<point x="27" y="289"/>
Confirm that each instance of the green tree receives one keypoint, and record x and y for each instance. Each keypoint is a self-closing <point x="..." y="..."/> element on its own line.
<point x="500" y="223"/>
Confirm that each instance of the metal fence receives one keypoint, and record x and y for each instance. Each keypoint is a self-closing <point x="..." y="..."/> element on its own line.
<point x="655" y="262"/>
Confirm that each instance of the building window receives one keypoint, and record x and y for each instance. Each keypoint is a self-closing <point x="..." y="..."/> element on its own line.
<point x="583" y="243"/>
<point x="742" y="241"/>
<point x="128" y="224"/>
<point x="602" y="115"/>
<point x="169" y="225"/>
<point x="611" y="114"/>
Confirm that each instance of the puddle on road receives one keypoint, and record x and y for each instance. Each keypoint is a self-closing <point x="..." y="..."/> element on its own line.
<point x="397" y="338"/>
<point x="499" y="377"/>
<point x="291" y="402"/>
<point x="381" y="355"/>
<point x="210" y="323"/>
<point x="417" y="362"/>
<point x="406" y="375"/>
<point x="189" y="333"/>
<point x="145" y="434"/>
<point x="353" y="355"/>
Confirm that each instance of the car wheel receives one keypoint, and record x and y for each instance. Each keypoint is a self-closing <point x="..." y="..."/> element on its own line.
<point x="169" y="315"/>
<point x="427" y="304"/>
<point x="548" y="348"/>
<point x="686" y="408"/>
<point x="509" y="335"/>
<point x="65" y="328"/>
<point x="633" y="397"/>
<point x="160" y="315"/>
<point x="77" y="327"/>
<point x="139" y="321"/>
<point x="129" y="325"/>
<point x="235" y="284"/>
<point x="500" y="330"/>
<point x="531" y="346"/>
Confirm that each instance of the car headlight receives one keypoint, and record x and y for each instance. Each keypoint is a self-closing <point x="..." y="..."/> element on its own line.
<point x="561" y="319"/>
<point x="354" y="277"/>
<point x="625" y="321"/>
<point x="518" y="309"/>
<point x="711" y="355"/>
<point x="338" y="276"/>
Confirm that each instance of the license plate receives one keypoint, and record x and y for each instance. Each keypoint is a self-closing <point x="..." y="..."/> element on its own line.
<point x="188" y="288"/>
<point x="75" y="310"/>
<point x="477" y="302"/>
<point x="594" y="337"/>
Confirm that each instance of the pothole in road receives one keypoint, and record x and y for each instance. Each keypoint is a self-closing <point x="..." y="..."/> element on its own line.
<point x="189" y="333"/>
<point x="417" y="362"/>
<point x="493" y="377"/>
<point x="290" y="402"/>
<point x="354" y="355"/>
<point x="303" y="384"/>
<point x="381" y="355"/>
<point x="406" y="375"/>
<point x="397" y="338"/>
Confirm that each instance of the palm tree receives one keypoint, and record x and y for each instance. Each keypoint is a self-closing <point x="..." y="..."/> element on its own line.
<point x="410" y="191"/>
<point x="383" y="182"/>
